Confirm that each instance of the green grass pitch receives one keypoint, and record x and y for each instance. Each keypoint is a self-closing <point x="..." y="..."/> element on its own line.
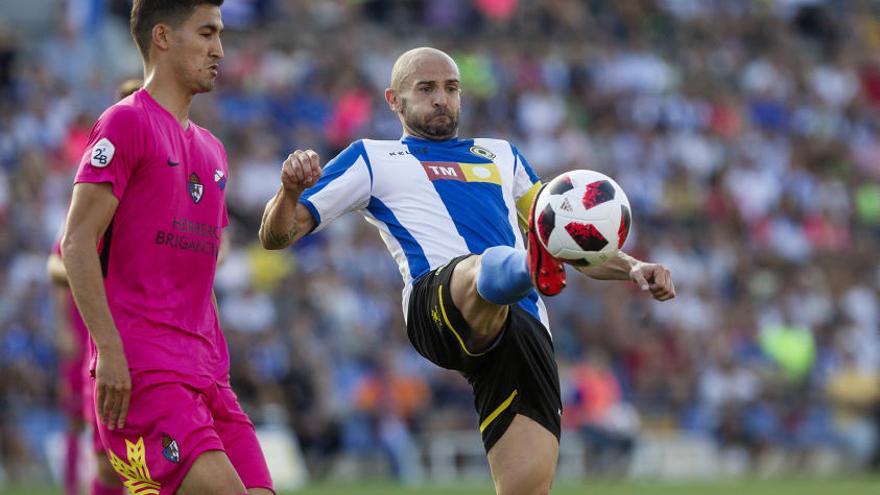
<point x="790" y="486"/>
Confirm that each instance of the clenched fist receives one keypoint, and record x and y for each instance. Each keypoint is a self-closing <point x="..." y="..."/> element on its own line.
<point x="300" y="171"/>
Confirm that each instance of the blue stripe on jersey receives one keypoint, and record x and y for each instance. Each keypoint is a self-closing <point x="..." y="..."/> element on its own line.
<point x="519" y="159"/>
<point x="530" y="304"/>
<point x="415" y="256"/>
<point x="337" y="166"/>
<point x="476" y="208"/>
<point x="478" y="211"/>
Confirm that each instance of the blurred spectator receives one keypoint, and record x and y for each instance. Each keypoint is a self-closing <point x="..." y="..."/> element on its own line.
<point x="595" y="409"/>
<point x="745" y="134"/>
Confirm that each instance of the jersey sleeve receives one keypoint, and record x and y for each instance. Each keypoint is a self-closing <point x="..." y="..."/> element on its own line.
<point x="345" y="185"/>
<point x="114" y="150"/>
<point x="526" y="184"/>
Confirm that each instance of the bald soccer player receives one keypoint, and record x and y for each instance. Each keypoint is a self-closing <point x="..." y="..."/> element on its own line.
<point x="449" y="209"/>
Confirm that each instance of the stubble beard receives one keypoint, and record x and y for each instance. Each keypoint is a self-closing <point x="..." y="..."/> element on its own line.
<point x="427" y="127"/>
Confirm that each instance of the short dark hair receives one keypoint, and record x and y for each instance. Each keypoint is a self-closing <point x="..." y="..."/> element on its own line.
<point x="147" y="13"/>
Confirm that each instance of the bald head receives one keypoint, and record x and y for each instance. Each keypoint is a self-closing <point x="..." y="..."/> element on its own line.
<point x="413" y="61"/>
<point x="425" y="93"/>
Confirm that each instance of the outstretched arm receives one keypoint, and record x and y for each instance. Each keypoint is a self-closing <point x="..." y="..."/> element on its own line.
<point x="285" y="220"/>
<point x="648" y="276"/>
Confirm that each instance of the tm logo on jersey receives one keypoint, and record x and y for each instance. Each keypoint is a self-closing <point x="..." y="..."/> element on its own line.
<point x="464" y="172"/>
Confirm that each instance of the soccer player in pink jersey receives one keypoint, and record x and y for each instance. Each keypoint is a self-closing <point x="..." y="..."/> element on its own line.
<point x="150" y="194"/>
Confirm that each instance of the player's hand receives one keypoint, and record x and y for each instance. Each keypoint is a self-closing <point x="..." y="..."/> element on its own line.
<point x="655" y="278"/>
<point x="112" y="387"/>
<point x="301" y="170"/>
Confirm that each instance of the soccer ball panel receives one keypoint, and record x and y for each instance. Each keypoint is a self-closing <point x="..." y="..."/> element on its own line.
<point x="623" y="229"/>
<point x="597" y="193"/>
<point x="583" y="216"/>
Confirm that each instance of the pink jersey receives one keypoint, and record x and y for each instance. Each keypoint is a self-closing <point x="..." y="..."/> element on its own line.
<point x="160" y="251"/>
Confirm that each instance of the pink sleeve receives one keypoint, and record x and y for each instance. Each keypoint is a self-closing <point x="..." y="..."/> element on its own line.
<point x="114" y="149"/>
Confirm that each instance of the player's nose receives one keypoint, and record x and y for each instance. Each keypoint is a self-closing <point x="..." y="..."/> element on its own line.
<point x="217" y="50"/>
<point x="440" y="99"/>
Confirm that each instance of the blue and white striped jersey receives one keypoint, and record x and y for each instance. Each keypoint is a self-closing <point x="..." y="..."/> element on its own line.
<point x="430" y="200"/>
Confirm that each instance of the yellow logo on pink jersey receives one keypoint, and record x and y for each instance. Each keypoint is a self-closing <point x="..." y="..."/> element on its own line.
<point x="135" y="472"/>
<point x="465" y="172"/>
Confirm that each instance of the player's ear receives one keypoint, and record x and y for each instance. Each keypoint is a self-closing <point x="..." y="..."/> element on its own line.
<point x="161" y="36"/>
<point x="392" y="99"/>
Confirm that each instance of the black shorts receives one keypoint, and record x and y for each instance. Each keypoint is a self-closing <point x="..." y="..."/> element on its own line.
<point x="517" y="374"/>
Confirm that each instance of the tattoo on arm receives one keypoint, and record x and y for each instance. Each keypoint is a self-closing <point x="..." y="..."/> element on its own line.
<point x="273" y="240"/>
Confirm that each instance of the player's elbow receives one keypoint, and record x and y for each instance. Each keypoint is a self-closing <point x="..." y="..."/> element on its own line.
<point x="271" y="241"/>
<point x="73" y="242"/>
<point x="67" y="244"/>
<point x="265" y="242"/>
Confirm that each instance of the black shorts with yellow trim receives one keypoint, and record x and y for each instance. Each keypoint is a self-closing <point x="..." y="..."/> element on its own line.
<point x="517" y="374"/>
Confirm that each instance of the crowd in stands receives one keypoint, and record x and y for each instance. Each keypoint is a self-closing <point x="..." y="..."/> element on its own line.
<point x="746" y="135"/>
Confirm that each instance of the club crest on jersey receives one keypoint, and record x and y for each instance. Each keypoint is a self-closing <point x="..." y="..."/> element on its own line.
<point x="102" y="153"/>
<point x="220" y="178"/>
<point x="196" y="189"/>
<point x="170" y="449"/>
<point x="482" y="152"/>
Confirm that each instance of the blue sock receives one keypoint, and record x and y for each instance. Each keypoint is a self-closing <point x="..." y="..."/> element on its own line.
<point x="504" y="275"/>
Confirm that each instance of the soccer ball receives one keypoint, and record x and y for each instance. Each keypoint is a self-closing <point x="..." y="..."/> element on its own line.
<point x="583" y="217"/>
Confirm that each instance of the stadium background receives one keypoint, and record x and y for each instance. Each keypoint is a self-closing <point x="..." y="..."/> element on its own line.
<point x="744" y="132"/>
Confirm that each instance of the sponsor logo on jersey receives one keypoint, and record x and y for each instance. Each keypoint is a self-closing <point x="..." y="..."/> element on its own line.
<point x="220" y="178"/>
<point x="465" y="172"/>
<point x="170" y="449"/>
<point x="196" y="189"/>
<point x="102" y="153"/>
<point x="188" y="235"/>
<point x="134" y="472"/>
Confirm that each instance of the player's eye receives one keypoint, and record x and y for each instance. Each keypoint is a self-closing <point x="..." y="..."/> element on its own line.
<point x="425" y="89"/>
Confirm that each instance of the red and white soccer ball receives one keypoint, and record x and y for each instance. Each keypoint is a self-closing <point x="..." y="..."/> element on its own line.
<point x="583" y="217"/>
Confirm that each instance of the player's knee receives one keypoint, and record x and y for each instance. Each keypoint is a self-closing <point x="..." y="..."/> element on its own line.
<point x="463" y="284"/>
<point x="484" y="318"/>
<point x="211" y="473"/>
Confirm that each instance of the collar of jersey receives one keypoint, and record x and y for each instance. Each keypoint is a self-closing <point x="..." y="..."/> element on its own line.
<point x="188" y="131"/>
<point x="407" y="139"/>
